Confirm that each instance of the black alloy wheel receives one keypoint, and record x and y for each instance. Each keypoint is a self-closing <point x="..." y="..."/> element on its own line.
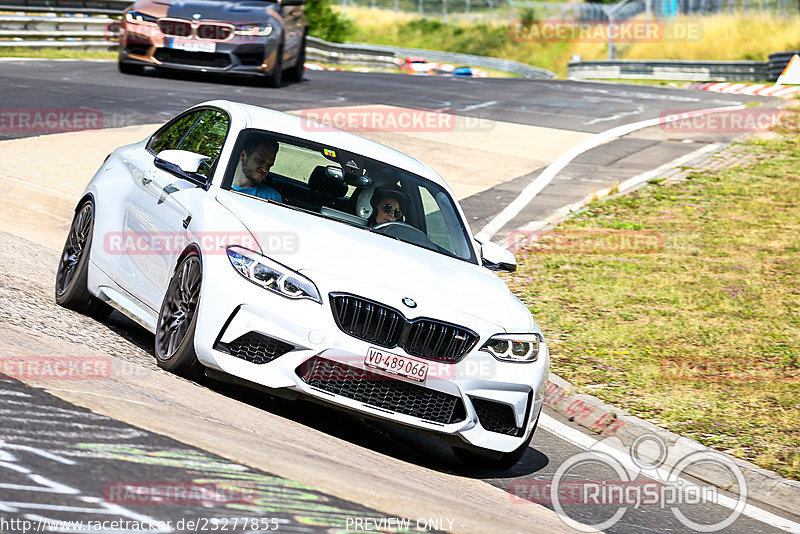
<point x="174" y="341"/>
<point x="73" y="268"/>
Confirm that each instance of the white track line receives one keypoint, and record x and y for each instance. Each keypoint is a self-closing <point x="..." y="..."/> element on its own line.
<point x="625" y="186"/>
<point x="42" y="188"/>
<point x="535" y="187"/>
<point x="637" y="180"/>
<point x="579" y="439"/>
<point x="477" y="106"/>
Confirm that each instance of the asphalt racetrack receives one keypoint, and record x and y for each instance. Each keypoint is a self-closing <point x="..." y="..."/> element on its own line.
<point x="72" y="451"/>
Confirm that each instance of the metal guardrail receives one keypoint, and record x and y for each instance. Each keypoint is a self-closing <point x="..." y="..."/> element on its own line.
<point x="24" y="28"/>
<point x="82" y="44"/>
<point x="778" y="62"/>
<point x="378" y="55"/>
<point x="89" y="7"/>
<point x="698" y="71"/>
<point x="37" y="31"/>
<point x="319" y="50"/>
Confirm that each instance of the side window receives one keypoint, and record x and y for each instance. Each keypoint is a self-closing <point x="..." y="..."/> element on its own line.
<point x="435" y="222"/>
<point x="207" y="137"/>
<point x="169" y="138"/>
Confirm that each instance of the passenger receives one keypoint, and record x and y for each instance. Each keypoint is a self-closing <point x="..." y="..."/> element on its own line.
<point x="388" y="205"/>
<point x="252" y="174"/>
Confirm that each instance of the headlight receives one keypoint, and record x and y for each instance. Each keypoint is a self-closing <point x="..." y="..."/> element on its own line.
<point x="136" y="17"/>
<point x="513" y="347"/>
<point x="271" y="275"/>
<point x="256" y="30"/>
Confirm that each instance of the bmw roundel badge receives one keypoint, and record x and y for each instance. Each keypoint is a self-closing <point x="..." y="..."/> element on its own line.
<point x="409" y="302"/>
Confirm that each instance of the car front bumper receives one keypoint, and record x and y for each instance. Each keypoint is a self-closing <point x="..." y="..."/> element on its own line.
<point x="296" y="345"/>
<point x="247" y="55"/>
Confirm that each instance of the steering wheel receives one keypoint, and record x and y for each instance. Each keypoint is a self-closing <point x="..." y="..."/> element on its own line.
<point x="406" y="232"/>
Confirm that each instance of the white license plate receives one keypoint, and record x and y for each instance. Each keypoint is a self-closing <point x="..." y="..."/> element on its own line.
<point x="399" y="365"/>
<point x="191" y="45"/>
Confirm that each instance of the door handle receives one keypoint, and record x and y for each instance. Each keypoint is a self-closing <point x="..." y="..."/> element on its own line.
<point x="148" y="177"/>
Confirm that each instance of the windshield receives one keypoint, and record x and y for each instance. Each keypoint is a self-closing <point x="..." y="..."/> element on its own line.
<point x="348" y="188"/>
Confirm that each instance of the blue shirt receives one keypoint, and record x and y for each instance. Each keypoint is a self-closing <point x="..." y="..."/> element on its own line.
<point x="261" y="190"/>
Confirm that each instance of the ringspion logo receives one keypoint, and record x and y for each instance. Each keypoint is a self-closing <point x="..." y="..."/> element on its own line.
<point x="593" y="490"/>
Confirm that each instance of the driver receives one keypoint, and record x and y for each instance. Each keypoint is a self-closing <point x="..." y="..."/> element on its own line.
<point x="252" y="174"/>
<point x="388" y="205"/>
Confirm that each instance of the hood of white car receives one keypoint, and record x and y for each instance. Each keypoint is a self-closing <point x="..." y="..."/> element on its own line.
<point x="341" y="257"/>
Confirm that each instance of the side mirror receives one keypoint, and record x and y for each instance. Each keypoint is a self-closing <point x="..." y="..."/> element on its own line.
<point x="183" y="164"/>
<point x="496" y="258"/>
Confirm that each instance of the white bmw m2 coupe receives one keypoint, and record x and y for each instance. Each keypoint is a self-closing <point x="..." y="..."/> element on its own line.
<point x="298" y="259"/>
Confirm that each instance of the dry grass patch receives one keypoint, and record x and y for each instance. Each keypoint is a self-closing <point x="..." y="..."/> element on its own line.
<point x="718" y="37"/>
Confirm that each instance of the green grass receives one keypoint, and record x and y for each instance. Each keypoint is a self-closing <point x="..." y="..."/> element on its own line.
<point x="701" y="335"/>
<point x="56" y="53"/>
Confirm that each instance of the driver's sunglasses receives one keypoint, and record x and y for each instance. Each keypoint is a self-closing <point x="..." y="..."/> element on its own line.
<point x="388" y="209"/>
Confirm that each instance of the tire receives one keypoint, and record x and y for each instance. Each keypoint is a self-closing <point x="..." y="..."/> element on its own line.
<point x="506" y="461"/>
<point x="130" y="68"/>
<point x="295" y="74"/>
<point x="274" y="78"/>
<point x="177" y="320"/>
<point x="73" y="268"/>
